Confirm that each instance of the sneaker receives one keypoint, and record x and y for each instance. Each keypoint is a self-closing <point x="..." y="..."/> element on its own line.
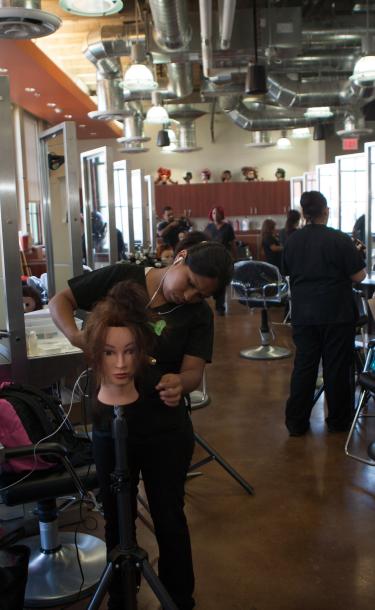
<point x="298" y="431"/>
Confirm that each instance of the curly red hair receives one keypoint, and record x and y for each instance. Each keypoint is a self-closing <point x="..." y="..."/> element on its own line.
<point x="219" y="209"/>
<point x="164" y="171"/>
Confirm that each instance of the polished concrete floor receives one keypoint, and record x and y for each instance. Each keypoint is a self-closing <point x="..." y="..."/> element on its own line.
<point x="305" y="540"/>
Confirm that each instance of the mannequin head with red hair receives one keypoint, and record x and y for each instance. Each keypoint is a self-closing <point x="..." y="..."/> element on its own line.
<point x="216" y="214"/>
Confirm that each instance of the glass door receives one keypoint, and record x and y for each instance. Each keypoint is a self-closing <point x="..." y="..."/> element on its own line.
<point x="124" y="203"/>
<point x="370" y="216"/>
<point x="326" y="183"/>
<point x="296" y="190"/>
<point x="352" y="189"/>
<point x="99" y="216"/>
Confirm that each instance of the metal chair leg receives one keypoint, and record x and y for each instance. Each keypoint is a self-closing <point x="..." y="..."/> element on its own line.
<point x="362" y="402"/>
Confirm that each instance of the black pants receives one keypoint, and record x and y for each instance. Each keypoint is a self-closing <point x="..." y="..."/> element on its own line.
<point x="163" y="462"/>
<point x="333" y="343"/>
<point x="220" y="300"/>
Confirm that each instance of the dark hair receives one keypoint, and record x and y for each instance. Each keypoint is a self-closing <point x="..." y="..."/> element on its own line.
<point x="280" y="172"/>
<point x="98" y="225"/>
<point x="125" y="305"/>
<point x="167" y="208"/>
<point x="292" y="218"/>
<point x="267" y="228"/>
<point x="32" y="293"/>
<point x="211" y="259"/>
<point x="313" y="204"/>
<point x="191" y="239"/>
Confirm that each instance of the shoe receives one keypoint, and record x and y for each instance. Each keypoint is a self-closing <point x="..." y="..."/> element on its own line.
<point x="298" y="431"/>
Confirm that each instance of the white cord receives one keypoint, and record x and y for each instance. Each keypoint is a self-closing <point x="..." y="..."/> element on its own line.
<point x="47" y="437"/>
<point x="158" y="288"/>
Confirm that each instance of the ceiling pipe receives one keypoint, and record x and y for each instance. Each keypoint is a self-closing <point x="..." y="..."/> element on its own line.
<point x="269" y="118"/>
<point x="227" y="9"/>
<point x="112" y="41"/>
<point x="172" y="31"/>
<point x="205" y="16"/>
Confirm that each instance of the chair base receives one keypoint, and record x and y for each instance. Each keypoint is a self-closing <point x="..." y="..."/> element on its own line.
<point x="199" y="399"/>
<point x="265" y="352"/>
<point x="55" y="578"/>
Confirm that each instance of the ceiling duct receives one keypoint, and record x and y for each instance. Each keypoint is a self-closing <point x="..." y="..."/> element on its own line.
<point x="172" y="31"/>
<point x="110" y="93"/>
<point x="186" y="115"/>
<point x="354" y="127"/>
<point x="289" y="93"/>
<point x="133" y="128"/>
<point x="260" y="139"/>
<point x="262" y="118"/>
<point x="180" y="79"/>
<point x="112" y="41"/>
<point x="133" y="148"/>
<point x="23" y="19"/>
<point x="205" y="15"/>
<point x="227" y="9"/>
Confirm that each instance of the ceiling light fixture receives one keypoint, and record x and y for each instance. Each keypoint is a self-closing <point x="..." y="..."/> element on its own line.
<point x="318" y="112"/>
<point x="68" y="116"/>
<point x="364" y="71"/>
<point x="301" y="133"/>
<point x="283" y="143"/>
<point x="3" y="70"/>
<point x="138" y="77"/>
<point x="157" y="114"/>
<point x="92" y="8"/>
<point x="29" y="89"/>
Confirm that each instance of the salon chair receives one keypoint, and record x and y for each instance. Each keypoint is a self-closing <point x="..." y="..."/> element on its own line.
<point x="259" y="284"/>
<point x="54" y="573"/>
<point x="366" y="382"/>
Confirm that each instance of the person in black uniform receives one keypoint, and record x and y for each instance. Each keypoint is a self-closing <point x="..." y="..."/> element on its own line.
<point x="322" y="263"/>
<point x="164" y="445"/>
<point x="270" y="243"/>
<point x="220" y="230"/>
<point x="168" y="229"/>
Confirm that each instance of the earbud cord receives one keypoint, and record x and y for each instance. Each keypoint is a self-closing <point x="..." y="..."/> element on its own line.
<point x="157" y="290"/>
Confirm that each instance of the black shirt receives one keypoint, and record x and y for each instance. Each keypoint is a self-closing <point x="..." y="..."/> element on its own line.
<point x="320" y="261"/>
<point x="170" y="238"/>
<point x="224" y="234"/>
<point x="274" y="258"/>
<point x="188" y="330"/>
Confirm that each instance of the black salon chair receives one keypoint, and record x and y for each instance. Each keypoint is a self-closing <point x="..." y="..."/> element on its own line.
<point x="366" y="382"/>
<point x="259" y="284"/>
<point x="54" y="575"/>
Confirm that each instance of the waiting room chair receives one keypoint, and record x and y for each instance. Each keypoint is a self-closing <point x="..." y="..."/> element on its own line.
<point x="54" y="574"/>
<point x="259" y="284"/>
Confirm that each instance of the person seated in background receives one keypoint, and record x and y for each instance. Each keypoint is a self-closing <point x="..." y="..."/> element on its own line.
<point x="169" y="229"/>
<point x="31" y="298"/>
<point x="167" y="255"/>
<point x="293" y="219"/>
<point x="190" y="239"/>
<point x="226" y="175"/>
<point x="359" y="234"/>
<point x="270" y="243"/>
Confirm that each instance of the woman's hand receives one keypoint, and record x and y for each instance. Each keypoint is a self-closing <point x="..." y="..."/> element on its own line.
<point x="170" y="389"/>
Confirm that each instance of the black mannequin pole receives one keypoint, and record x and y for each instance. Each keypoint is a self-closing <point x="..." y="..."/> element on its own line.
<point x="127" y="556"/>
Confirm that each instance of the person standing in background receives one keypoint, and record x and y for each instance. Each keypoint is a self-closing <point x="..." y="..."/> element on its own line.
<point x="270" y="243"/>
<point x="322" y="263"/>
<point x="221" y="231"/>
<point x="293" y="218"/>
<point x="168" y="229"/>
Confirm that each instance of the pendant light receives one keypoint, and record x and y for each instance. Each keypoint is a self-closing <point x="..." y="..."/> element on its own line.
<point x="364" y="70"/>
<point x="92" y="8"/>
<point x="138" y="77"/>
<point x="157" y="114"/>
<point x="256" y="80"/>
<point x="283" y="143"/>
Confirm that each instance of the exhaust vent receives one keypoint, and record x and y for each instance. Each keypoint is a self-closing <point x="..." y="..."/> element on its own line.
<point x="23" y="20"/>
<point x="353" y="128"/>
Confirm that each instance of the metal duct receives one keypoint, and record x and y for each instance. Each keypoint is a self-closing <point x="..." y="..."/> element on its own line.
<point x="267" y="118"/>
<point x="290" y="93"/>
<point x="172" y="30"/>
<point x="112" y="41"/>
<point x="133" y="129"/>
<point x="260" y="139"/>
<point x="180" y="79"/>
<point x="227" y="9"/>
<point x="354" y="127"/>
<point x="23" y="19"/>
<point x="110" y="94"/>
<point x="186" y="139"/>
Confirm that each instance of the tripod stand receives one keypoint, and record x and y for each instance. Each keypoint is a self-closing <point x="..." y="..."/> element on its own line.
<point x="127" y="556"/>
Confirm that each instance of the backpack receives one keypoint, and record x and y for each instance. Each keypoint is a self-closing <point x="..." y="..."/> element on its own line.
<point x="27" y="415"/>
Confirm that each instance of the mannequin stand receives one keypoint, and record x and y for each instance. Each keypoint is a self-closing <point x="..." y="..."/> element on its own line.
<point x="127" y="556"/>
